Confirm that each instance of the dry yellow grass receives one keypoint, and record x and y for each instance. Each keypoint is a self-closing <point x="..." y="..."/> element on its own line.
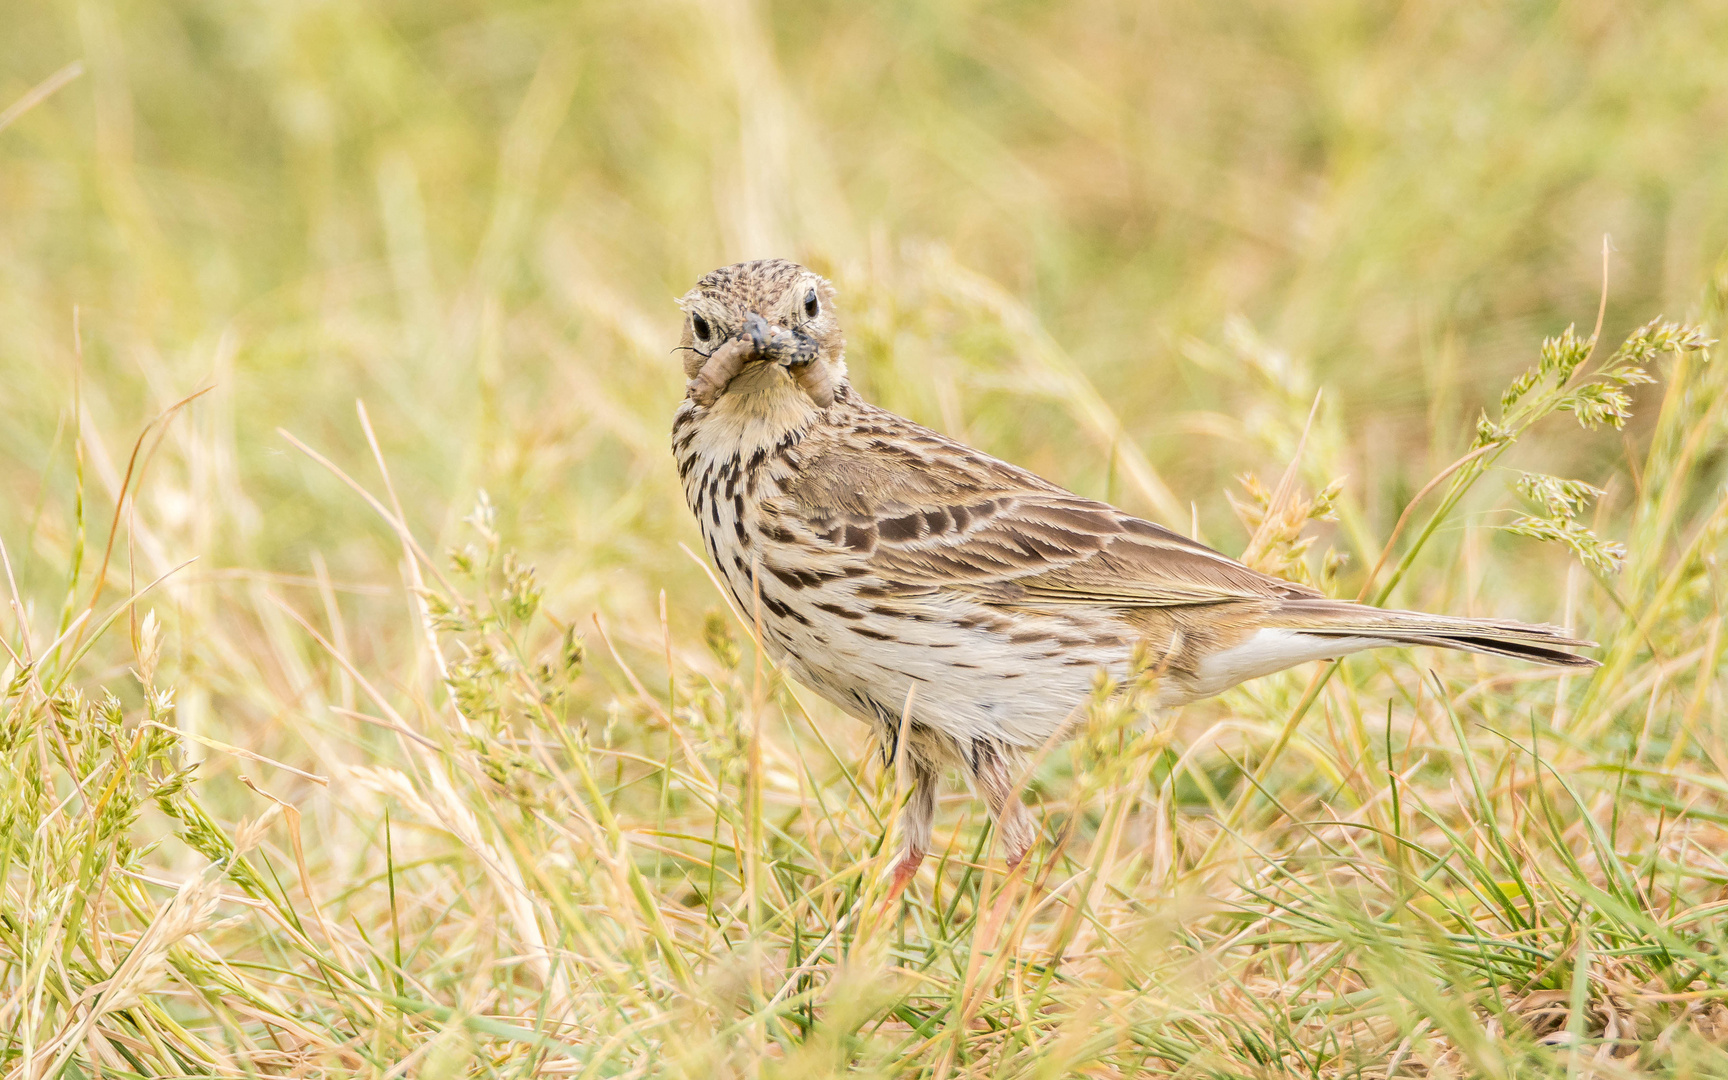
<point x="399" y="778"/>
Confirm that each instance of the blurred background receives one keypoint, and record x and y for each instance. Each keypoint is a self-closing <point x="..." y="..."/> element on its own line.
<point x="1106" y="240"/>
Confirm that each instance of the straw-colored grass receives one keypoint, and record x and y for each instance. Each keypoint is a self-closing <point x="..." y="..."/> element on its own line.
<point x="408" y="739"/>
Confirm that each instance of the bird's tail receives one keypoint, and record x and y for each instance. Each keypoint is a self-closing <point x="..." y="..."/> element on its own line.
<point x="1496" y="637"/>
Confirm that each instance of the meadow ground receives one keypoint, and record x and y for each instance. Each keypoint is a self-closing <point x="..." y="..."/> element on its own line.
<point x="408" y="739"/>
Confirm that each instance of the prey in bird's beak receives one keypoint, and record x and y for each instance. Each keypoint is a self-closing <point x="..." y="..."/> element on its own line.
<point x="788" y="348"/>
<point x="757" y="339"/>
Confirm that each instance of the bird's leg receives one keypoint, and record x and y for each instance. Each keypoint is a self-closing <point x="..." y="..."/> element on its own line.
<point x="994" y="769"/>
<point x="916" y="820"/>
<point x="904" y="871"/>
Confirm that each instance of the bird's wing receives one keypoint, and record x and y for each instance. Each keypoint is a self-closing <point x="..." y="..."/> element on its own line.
<point x="928" y="514"/>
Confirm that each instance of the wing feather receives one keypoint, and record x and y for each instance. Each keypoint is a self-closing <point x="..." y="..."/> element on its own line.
<point x="927" y="515"/>
<point x="961" y="520"/>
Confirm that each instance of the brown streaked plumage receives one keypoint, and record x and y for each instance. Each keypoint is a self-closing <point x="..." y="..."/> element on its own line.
<point x="896" y="565"/>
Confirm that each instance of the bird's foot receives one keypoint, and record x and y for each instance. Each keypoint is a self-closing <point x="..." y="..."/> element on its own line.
<point x="904" y="871"/>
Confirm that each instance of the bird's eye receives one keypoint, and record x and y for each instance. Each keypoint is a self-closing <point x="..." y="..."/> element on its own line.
<point x="700" y="325"/>
<point x="812" y="306"/>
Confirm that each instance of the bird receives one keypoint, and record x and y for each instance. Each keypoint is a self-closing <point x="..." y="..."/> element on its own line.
<point x="961" y="605"/>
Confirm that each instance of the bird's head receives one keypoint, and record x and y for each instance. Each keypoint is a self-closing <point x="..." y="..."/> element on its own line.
<point x="776" y="322"/>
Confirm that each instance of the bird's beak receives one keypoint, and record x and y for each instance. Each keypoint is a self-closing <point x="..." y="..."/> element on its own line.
<point x="756" y="328"/>
<point x="776" y="343"/>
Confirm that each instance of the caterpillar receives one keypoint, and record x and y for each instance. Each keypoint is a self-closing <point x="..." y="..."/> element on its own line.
<point x="722" y="367"/>
<point x="796" y="351"/>
<point x="816" y="380"/>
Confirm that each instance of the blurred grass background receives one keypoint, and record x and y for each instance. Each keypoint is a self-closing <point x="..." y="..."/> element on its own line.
<point x="1122" y="244"/>
<point x="473" y="216"/>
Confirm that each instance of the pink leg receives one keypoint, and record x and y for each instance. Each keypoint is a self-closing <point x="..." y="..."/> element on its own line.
<point x="904" y="871"/>
<point x="916" y="819"/>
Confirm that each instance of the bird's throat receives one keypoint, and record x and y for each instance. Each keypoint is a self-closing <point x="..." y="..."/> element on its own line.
<point x="758" y="411"/>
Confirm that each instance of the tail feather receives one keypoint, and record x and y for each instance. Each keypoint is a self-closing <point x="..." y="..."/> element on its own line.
<point x="1496" y="637"/>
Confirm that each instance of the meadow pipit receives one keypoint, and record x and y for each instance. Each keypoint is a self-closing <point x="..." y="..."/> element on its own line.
<point x="929" y="588"/>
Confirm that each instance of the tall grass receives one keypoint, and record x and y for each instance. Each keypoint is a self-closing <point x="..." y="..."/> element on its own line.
<point x="409" y="739"/>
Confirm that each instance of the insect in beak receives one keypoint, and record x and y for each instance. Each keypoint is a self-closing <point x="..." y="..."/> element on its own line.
<point x="777" y="344"/>
<point x="756" y="328"/>
<point x="760" y="340"/>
